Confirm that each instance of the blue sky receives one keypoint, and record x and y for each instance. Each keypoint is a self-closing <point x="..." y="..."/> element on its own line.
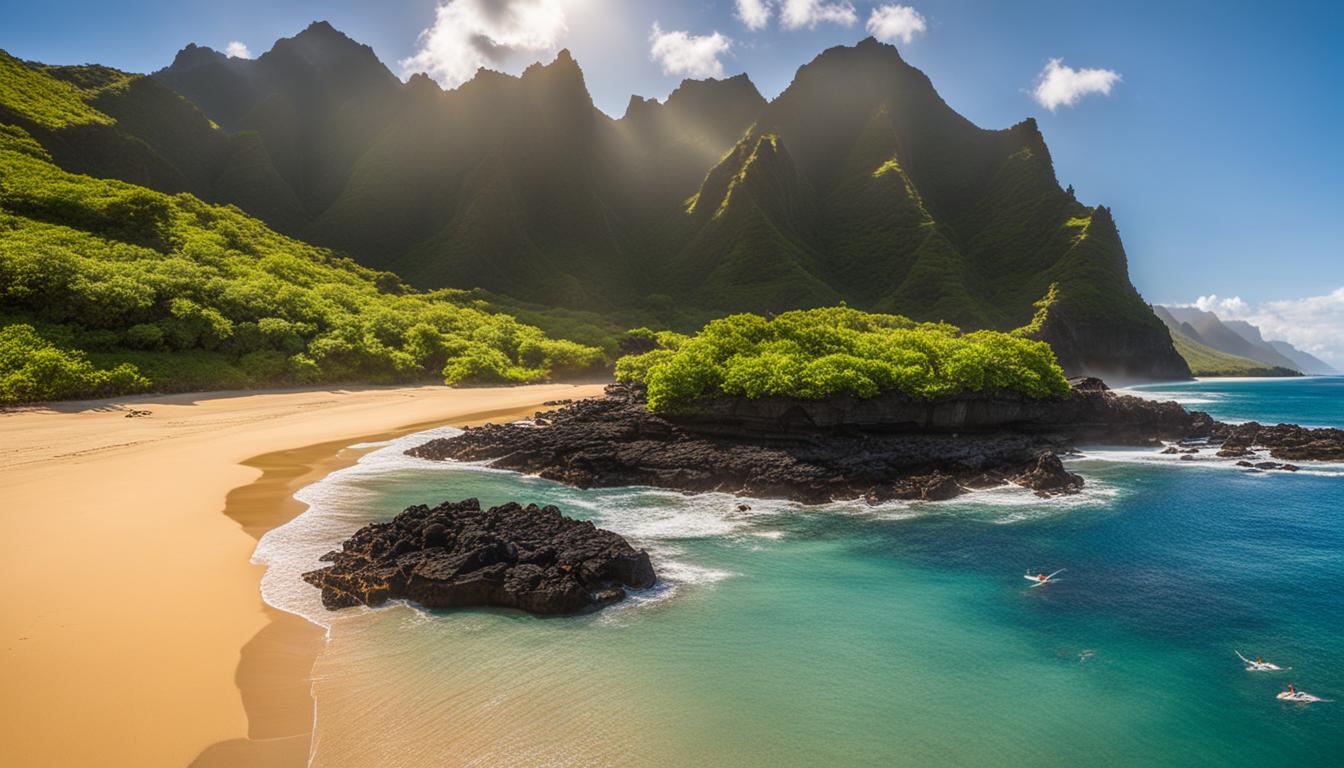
<point x="1218" y="145"/>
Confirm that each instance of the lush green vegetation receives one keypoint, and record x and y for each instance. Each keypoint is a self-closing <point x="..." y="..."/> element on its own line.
<point x="48" y="102"/>
<point x="171" y="293"/>
<point x="837" y="350"/>
<point x="32" y="368"/>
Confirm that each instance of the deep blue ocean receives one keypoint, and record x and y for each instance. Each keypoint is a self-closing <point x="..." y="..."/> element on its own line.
<point x="902" y="634"/>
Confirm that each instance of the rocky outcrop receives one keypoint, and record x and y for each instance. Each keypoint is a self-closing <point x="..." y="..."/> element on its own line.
<point x="615" y="441"/>
<point x="1267" y="465"/>
<point x="887" y="447"/>
<point x="1288" y="442"/>
<point x="1048" y="476"/>
<point x="815" y="452"/>
<point x="1091" y="410"/>
<point x="457" y="555"/>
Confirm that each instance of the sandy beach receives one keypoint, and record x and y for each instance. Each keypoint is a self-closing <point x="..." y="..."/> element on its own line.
<point x="133" y="631"/>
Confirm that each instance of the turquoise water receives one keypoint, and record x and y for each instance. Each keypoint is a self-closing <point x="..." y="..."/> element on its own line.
<point x="854" y="635"/>
<point x="1316" y="401"/>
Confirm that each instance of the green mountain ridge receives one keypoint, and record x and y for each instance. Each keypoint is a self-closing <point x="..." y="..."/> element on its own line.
<point x="870" y="190"/>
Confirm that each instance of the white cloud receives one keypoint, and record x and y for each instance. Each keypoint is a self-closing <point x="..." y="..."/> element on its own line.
<point x="1314" y="324"/>
<point x="681" y="53"/>
<point x="237" y="50"/>
<point x="890" y="23"/>
<point x="1231" y="308"/>
<point x="754" y="13"/>
<point x="796" y="14"/>
<point x="469" y="34"/>
<point x="1060" y="85"/>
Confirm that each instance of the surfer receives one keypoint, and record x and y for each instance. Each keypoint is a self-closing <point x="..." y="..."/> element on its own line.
<point x="1037" y="579"/>
<point x="1259" y="665"/>
<point x="1301" y="697"/>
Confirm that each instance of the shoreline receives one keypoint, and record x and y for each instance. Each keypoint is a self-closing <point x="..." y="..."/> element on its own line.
<point x="137" y="619"/>
<point x="274" y="671"/>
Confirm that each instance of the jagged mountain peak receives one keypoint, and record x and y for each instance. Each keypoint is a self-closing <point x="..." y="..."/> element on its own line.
<point x="736" y="87"/>
<point x="563" y="65"/>
<point x="323" y="34"/>
<point x="321" y="28"/>
<point x="867" y="52"/>
<point x="329" y="51"/>
<point x="638" y="106"/>
<point x="872" y="43"/>
<point x="194" y="55"/>
<point x="558" y="82"/>
<point x="421" y="83"/>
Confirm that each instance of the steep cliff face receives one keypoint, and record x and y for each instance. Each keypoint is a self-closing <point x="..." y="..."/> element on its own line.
<point x="1120" y="353"/>
<point x="1097" y="323"/>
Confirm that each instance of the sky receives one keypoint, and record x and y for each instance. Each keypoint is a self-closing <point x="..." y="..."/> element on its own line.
<point x="1212" y="129"/>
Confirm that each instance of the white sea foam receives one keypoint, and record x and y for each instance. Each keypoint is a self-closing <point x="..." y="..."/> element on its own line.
<point x="1010" y="503"/>
<point x="1207" y="459"/>
<point x="648" y="514"/>
<point x="337" y="507"/>
<point x="1178" y="396"/>
<point x="654" y="519"/>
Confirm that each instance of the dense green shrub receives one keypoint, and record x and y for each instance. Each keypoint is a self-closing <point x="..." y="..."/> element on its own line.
<point x="147" y="336"/>
<point x="32" y="368"/>
<point x="637" y="341"/>
<point x="821" y="352"/>
<point x="202" y="296"/>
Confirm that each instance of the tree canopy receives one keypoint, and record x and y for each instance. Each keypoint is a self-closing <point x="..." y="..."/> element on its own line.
<point x="818" y="353"/>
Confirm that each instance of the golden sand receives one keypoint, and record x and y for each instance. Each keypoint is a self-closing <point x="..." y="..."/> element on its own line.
<point x="133" y="629"/>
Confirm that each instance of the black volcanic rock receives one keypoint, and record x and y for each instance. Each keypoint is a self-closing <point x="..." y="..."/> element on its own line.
<point x="1048" y="476"/>
<point x="883" y="448"/>
<point x="457" y="555"/>
<point x="817" y="451"/>
<point x="1284" y="441"/>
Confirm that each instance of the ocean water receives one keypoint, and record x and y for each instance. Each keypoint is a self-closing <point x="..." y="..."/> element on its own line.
<point x="1316" y="401"/>
<point x="902" y="634"/>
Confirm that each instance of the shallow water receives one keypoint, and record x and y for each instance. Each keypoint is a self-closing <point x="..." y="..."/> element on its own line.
<point x="856" y="635"/>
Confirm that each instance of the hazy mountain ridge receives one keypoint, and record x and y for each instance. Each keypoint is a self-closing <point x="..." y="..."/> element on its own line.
<point x="871" y="190"/>
<point x="1200" y="333"/>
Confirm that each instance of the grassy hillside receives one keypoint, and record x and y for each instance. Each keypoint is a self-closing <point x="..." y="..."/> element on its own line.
<point x="107" y="287"/>
<point x="28" y="94"/>
<point x="1206" y="361"/>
